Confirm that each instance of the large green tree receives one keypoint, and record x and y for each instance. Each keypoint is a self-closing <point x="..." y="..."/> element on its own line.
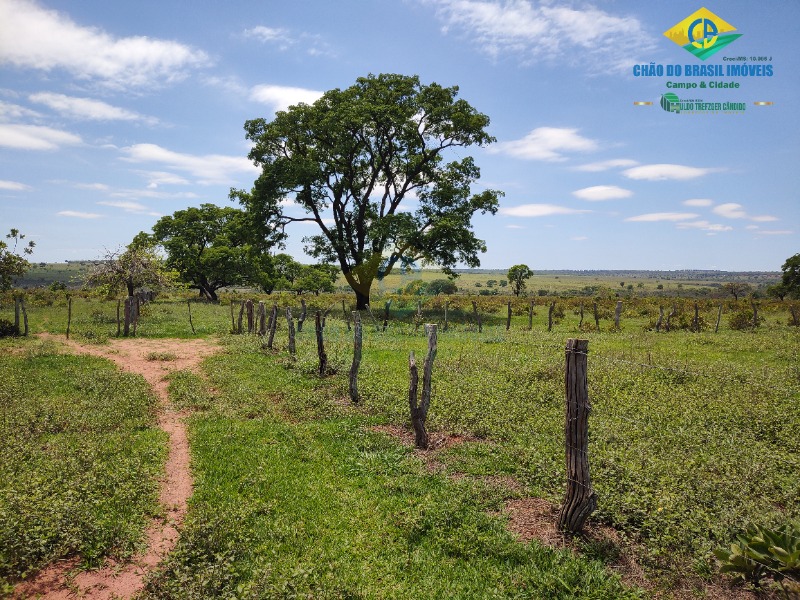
<point x="212" y="247"/>
<point x="377" y="168"/>
<point x="791" y="275"/>
<point x="12" y="265"/>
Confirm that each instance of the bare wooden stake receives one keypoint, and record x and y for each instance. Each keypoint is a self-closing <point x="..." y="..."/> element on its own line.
<point x="550" y="315"/>
<point x="323" y="358"/>
<point x="580" y="500"/>
<point x="596" y="316"/>
<point x="273" y="325"/>
<point x="262" y="319"/>
<point x="240" y="318"/>
<point x="251" y="323"/>
<point x="419" y="411"/>
<point x="346" y="315"/>
<point x="302" y="318"/>
<point x="530" y="315"/>
<point x="581" y="313"/>
<point x="233" y="319"/>
<point x="672" y="313"/>
<point x="696" y="320"/>
<point x="719" y="318"/>
<point x="508" y="318"/>
<point x="660" y="318"/>
<point x="292" y="346"/>
<point x="477" y="316"/>
<point x="356" y="357"/>
<point x="69" y="315"/>
<point x="189" y="304"/>
<point x="446" y="307"/>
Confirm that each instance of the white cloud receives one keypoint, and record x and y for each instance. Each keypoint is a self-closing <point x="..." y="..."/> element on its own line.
<point x="546" y="31"/>
<point x="132" y="207"/>
<point x="705" y="226"/>
<point x="545" y="143"/>
<point x="78" y="215"/>
<point x="38" y="38"/>
<point x="602" y="192"/>
<point x="86" y="108"/>
<point x="13" y="186"/>
<point x="156" y="178"/>
<point x="97" y="187"/>
<point x="663" y="216"/>
<point x="605" y="165"/>
<point x="284" y="39"/>
<point x="9" y="112"/>
<point x="661" y="172"/>
<point x="698" y="202"/>
<point x="539" y="210"/>
<point x="35" y="137"/>
<point x="515" y="227"/>
<point x="775" y="232"/>
<point x="282" y="97"/>
<point x="579" y="238"/>
<point x="208" y="169"/>
<point x="731" y="210"/>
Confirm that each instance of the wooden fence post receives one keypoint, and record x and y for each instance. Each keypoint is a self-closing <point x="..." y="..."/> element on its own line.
<point x="69" y="315"/>
<point x="262" y="318"/>
<point x="477" y="316"/>
<point x="303" y="312"/>
<point x="191" y="324"/>
<point x="419" y="411"/>
<point x="580" y="325"/>
<point x="795" y="321"/>
<point x="386" y="308"/>
<point x="346" y="315"/>
<point x="418" y="316"/>
<point x="530" y="315"/>
<point x="446" y="307"/>
<point x="550" y="316"/>
<point x="719" y="318"/>
<point x="241" y="318"/>
<point x="596" y="316"/>
<point x="250" y="316"/>
<point x="126" y="329"/>
<point x="617" y="313"/>
<point x="292" y="346"/>
<point x="508" y="318"/>
<point x="273" y="324"/>
<point x="323" y="358"/>
<point x="580" y="500"/>
<point x="24" y="317"/>
<point x="233" y="319"/>
<point x="672" y="313"/>
<point x="356" y="357"/>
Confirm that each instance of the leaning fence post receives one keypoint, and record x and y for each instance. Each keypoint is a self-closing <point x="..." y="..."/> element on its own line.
<point x="292" y="346"/>
<point x="323" y="358"/>
<point x="273" y="324"/>
<point x="302" y="318"/>
<point x="189" y="304"/>
<point x="356" y="357"/>
<point x="419" y="411"/>
<point x="719" y="317"/>
<point x="580" y="499"/>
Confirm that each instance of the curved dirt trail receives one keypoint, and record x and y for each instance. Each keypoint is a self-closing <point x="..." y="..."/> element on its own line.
<point x="123" y="580"/>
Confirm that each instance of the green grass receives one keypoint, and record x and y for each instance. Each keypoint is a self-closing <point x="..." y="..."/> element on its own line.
<point x="80" y="458"/>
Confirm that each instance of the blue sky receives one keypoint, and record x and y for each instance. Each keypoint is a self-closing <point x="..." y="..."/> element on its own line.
<point x="113" y="114"/>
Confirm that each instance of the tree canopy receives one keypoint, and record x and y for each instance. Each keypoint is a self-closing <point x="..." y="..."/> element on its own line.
<point x="517" y="275"/>
<point x="374" y="167"/>
<point x="212" y="247"/>
<point x="791" y="275"/>
<point x="12" y="265"/>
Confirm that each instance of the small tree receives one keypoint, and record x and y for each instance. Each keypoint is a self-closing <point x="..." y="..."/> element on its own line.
<point x="737" y="289"/>
<point x="517" y="275"/>
<point x="441" y="286"/>
<point x="138" y="266"/>
<point x="316" y="279"/>
<point x="12" y="265"/>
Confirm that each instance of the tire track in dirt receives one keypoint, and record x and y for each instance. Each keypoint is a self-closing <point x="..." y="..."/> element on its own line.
<point x="117" y="579"/>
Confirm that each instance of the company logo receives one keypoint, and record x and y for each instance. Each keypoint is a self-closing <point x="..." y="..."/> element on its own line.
<point x="702" y="33"/>
<point x="670" y="102"/>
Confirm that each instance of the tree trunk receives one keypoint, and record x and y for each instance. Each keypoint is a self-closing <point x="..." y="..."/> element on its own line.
<point x="323" y="357"/>
<point x="419" y="411"/>
<point x="362" y="300"/>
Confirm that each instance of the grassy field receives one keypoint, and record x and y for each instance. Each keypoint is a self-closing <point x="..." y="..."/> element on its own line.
<point x="81" y="455"/>
<point x="300" y="494"/>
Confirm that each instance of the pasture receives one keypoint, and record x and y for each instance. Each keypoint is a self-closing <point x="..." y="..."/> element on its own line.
<point x="300" y="493"/>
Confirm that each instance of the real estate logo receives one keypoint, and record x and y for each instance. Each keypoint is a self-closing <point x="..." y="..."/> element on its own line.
<point x="702" y="33"/>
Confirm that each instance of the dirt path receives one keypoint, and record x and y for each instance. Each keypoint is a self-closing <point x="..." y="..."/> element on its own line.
<point x="123" y="580"/>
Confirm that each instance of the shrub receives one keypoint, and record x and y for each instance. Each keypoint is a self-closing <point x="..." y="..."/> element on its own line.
<point x="743" y="319"/>
<point x="7" y="328"/>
